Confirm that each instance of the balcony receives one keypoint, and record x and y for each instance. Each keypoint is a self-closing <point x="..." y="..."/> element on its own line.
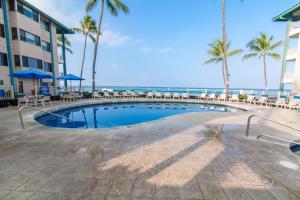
<point x="60" y="59"/>
<point x="294" y="32"/>
<point x="288" y="77"/>
<point x="292" y="54"/>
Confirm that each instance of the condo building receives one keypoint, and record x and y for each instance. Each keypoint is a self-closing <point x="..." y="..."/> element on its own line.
<point x="28" y="40"/>
<point x="290" y="73"/>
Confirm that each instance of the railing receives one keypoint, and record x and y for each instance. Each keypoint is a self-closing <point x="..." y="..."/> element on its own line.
<point x="32" y="108"/>
<point x="275" y="122"/>
<point x="6" y="92"/>
<point x="278" y="138"/>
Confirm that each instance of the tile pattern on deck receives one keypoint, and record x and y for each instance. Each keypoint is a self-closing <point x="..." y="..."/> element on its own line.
<point x="173" y="158"/>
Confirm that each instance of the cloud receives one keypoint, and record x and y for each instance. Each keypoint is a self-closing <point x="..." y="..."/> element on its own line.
<point x="157" y="50"/>
<point x="113" y="39"/>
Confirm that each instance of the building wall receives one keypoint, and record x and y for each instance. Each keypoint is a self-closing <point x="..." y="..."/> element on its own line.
<point x="22" y="48"/>
<point x="296" y="83"/>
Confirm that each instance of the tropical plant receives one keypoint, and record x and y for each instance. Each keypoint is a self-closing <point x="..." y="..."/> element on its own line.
<point x="263" y="47"/>
<point x="114" y="7"/>
<point x="217" y="52"/>
<point x="68" y="44"/>
<point x="87" y="28"/>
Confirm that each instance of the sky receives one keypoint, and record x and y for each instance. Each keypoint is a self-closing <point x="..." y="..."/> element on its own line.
<point x="165" y="42"/>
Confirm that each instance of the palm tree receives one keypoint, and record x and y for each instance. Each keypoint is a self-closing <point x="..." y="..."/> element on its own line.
<point x="87" y="28"/>
<point x="68" y="44"/>
<point x="263" y="47"/>
<point x="217" y="51"/>
<point x="114" y="7"/>
<point x="224" y="33"/>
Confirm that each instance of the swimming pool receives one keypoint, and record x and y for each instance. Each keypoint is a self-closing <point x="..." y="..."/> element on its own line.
<point x="122" y="114"/>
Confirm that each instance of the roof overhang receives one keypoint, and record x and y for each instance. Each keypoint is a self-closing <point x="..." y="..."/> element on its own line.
<point x="60" y="27"/>
<point x="292" y="14"/>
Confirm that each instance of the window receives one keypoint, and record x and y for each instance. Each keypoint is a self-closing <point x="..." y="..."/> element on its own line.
<point x="14" y="33"/>
<point x="20" y="87"/>
<point x="25" y="10"/>
<point x="1" y="82"/>
<point x="46" y="46"/>
<point x="47" y="67"/>
<point x="2" y="33"/>
<point x="0" y="3"/>
<point x="17" y="61"/>
<point x="11" y="5"/>
<point x="3" y="59"/>
<point x="32" y="62"/>
<point x="45" y="25"/>
<point x="30" y="38"/>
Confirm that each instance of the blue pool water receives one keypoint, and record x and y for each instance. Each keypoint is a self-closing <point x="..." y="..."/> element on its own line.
<point x="112" y="115"/>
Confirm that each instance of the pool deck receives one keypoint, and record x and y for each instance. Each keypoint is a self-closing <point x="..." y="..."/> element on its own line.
<point x="172" y="158"/>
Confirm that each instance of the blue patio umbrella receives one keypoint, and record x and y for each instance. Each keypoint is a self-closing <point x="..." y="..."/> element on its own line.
<point x="31" y="74"/>
<point x="70" y="77"/>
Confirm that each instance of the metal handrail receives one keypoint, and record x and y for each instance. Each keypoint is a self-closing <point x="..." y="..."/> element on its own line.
<point x="278" y="138"/>
<point x="33" y="108"/>
<point x="268" y="119"/>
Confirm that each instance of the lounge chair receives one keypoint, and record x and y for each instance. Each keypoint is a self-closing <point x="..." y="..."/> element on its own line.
<point x="250" y="99"/>
<point x="203" y="96"/>
<point x="263" y="100"/>
<point x="294" y="103"/>
<point x="77" y="96"/>
<point x="68" y="97"/>
<point x="280" y="102"/>
<point x="134" y="95"/>
<point x="47" y="99"/>
<point x="22" y="101"/>
<point x="96" y="95"/>
<point x="158" y="95"/>
<point x="116" y="95"/>
<point x="185" y="96"/>
<point x="106" y="95"/>
<point x="149" y="95"/>
<point x="167" y="95"/>
<point x="176" y="96"/>
<point x="222" y="97"/>
<point x="211" y="97"/>
<point x="234" y="98"/>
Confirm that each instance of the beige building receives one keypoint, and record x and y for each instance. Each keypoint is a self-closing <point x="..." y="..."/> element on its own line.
<point x="290" y="75"/>
<point x="28" y="41"/>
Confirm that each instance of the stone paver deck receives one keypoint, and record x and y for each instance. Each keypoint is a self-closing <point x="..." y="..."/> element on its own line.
<point x="173" y="158"/>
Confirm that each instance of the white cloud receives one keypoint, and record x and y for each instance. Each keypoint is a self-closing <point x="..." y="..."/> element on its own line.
<point x="113" y="39"/>
<point x="157" y="50"/>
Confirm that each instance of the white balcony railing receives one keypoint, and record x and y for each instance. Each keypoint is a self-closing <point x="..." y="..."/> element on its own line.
<point x="60" y="59"/>
<point x="292" y="54"/>
<point x="288" y="77"/>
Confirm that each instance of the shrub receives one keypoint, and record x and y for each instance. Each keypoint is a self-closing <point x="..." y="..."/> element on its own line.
<point x="243" y="97"/>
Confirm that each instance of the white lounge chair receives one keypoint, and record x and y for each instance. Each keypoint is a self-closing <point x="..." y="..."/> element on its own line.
<point x="211" y="97"/>
<point x="294" y="103"/>
<point x="234" y="98"/>
<point x="96" y="95"/>
<point x="150" y="95"/>
<point x="167" y="95"/>
<point x="185" y="96"/>
<point x="280" y="102"/>
<point x="203" y="96"/>
<point x="176" y="96"/>
<point x="106" y="95"/>
<point x="263" y="100"/>
<point x="47" y="99"/>
<point x="250" y="99"/>
<point x="116" y="95"/>
<point x="22" y="101"/>
<point x="158" y="95"/>
<point x="222" y="97"/>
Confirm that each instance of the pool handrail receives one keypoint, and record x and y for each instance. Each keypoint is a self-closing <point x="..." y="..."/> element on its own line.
<point x="33" y="108"/>
<point x="277" y="138"/>
<point x="270" y="120"/>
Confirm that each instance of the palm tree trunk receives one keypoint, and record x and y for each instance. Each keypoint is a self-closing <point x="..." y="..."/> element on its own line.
<point x="225" y="45"/>
<point x="265" y="74"/>
<point x="83" y="58"/>
<point x="224" y="74"/>
<point x="96" y="44"/>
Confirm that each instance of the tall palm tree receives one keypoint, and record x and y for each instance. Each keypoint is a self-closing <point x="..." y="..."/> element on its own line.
<point x="114" y="7"/>
<point x="87" y="28"/>
<point x="217" y="52"/>
<point x="68" y="44"/>
<point x="263" y="47"/>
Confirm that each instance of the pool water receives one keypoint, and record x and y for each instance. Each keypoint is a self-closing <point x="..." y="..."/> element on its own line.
<point x="125" y="114"/>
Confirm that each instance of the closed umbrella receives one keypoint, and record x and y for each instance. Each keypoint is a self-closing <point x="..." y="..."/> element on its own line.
<point x="31" y="74"/>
